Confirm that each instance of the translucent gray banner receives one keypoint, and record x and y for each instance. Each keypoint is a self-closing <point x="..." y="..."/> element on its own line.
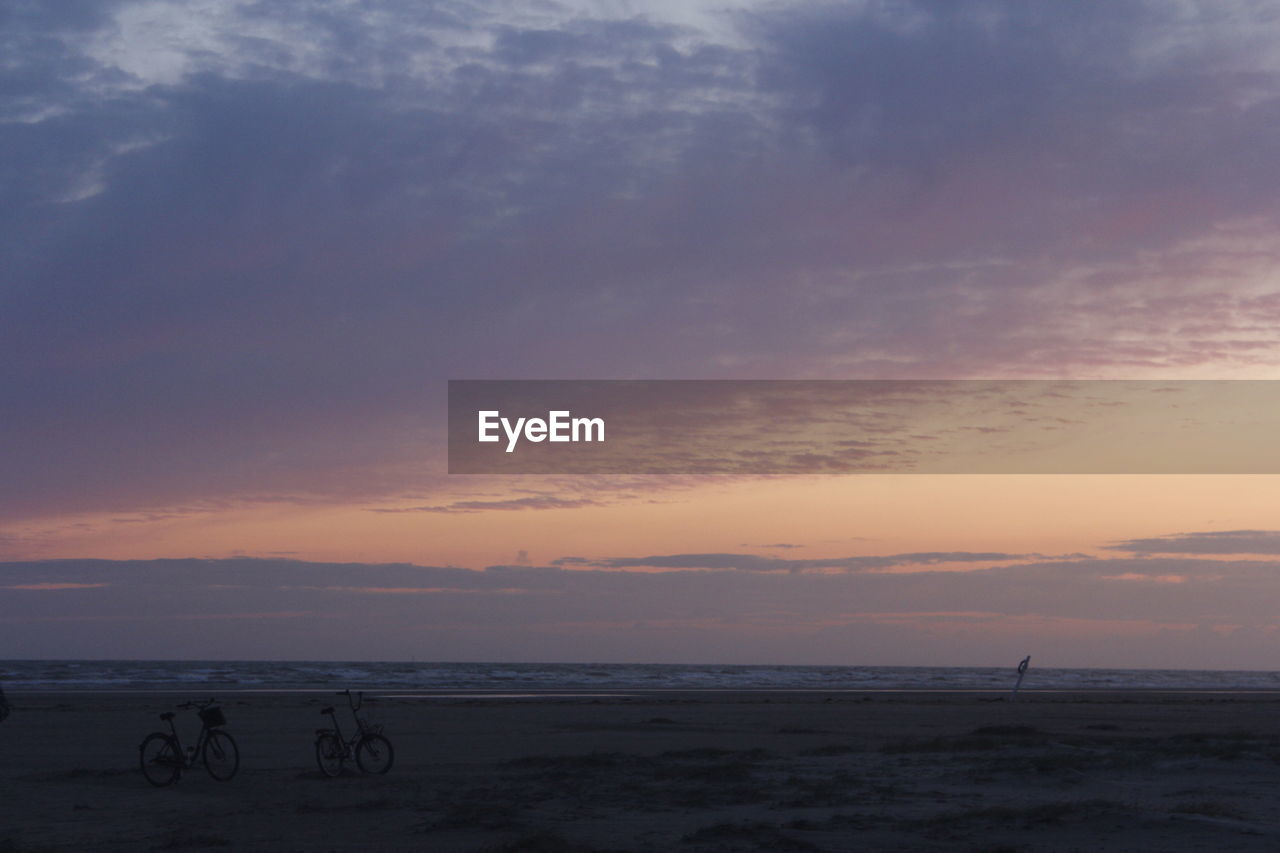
<point x="864" y="426"/>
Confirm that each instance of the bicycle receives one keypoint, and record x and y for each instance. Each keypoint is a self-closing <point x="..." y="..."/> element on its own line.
<point x="372" y="751"/>
<point x="163" y="759"/>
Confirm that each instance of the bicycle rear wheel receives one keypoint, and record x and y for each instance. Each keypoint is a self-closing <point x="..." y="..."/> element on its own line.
<point x="329" y="754"/>
<point x="374" y="754"/>
<point x="161" y="759"/>
<point x="221" y="755"/>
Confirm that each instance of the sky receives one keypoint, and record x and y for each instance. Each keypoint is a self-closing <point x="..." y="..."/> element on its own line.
<point x="245" y="245"/>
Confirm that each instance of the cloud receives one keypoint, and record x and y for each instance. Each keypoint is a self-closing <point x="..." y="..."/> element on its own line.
<point x="1089" y="611"/>
<point x="536" y="502"/>
<point x="756" y="563"/>
<point x="1262" y="542"/>
<point x="54" y="586"/>
<point x="249" y="245"/>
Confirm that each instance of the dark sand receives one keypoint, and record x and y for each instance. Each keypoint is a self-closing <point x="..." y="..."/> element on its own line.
<point x="656" y="772"/>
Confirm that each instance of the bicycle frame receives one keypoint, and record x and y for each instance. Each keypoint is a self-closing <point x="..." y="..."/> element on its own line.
<point x="362" y="728"/>
<point x="164" y="758"/>
<point x="372" y="751"/>
<point x="190" y="756"/>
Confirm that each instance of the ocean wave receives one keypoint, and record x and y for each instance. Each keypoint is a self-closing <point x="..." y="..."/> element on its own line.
<point x="401" y="675"/>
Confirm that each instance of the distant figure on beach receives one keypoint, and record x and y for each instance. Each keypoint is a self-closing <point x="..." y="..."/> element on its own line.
<point x="4" y="705"/>
<point x="1022" y="670"/>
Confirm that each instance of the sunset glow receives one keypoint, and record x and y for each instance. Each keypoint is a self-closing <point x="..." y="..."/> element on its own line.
<point x="246" y="247"/>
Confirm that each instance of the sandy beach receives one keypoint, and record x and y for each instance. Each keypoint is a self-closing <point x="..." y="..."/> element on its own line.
<point x="670" y="771"/>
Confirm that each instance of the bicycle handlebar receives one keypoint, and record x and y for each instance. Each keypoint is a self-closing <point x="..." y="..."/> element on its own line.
<point x="355" y="700"/>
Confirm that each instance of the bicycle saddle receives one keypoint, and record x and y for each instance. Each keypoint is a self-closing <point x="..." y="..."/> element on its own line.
<point x="328" y="710"/>
<point x="167" y="715"/>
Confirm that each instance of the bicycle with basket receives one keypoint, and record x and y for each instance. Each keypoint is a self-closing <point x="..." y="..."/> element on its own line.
<point x="162" y="756"/>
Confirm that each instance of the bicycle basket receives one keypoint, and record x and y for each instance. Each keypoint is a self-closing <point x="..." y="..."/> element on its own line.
<point x="212" y="717"/>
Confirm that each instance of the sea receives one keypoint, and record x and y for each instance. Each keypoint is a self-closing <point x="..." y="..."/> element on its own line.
<point x="257" y="676"/>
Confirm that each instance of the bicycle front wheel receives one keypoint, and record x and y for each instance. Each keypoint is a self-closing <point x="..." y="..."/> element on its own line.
<point x="374" y="754"/>
<point x="221" y="755"/>
<point x="161" y="759"/>
<point x="329" y="754"/>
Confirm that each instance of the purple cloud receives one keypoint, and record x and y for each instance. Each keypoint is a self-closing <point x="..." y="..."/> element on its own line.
<point x="1086" y="611"/>
<point x="756" y="563"/>
<point x="536" y="502"/>
<point x="1262" y="542"/>
<point x="242" y="263"/>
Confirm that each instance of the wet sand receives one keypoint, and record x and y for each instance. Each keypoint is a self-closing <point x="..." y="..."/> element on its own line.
<point x="716" y="771"/>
